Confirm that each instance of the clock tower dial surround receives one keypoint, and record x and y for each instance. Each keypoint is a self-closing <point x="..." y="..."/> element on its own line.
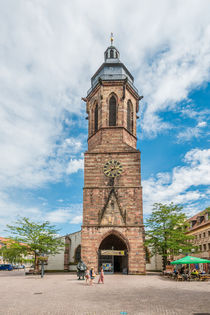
<point x="112" y="194"/>
<point x="112" y="168"/>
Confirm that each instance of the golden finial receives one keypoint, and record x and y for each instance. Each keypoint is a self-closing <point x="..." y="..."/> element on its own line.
<point x="112" y="38"/>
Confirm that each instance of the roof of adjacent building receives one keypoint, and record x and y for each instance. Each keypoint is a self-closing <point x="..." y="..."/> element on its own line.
<point x="4" y="240"/>
<point x="196" y="219"/>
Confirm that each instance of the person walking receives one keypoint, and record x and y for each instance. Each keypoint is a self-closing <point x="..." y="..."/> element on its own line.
<point x="101" y="276"/>
<point x="92" y="275"/>
<point x="87" y="276"/>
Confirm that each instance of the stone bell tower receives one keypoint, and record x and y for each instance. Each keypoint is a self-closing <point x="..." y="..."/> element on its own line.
<point x="112" y="230"/>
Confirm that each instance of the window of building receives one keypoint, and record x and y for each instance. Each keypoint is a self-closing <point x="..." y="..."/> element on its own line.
<point x="200" y="248"/>
<point x="111" y="53"/>
<point x="204" y="234"/>
<point x="204" y="247"/>
<point x="129" y="117"/>
<point x="201" y="218"/>
<point x="96" y="118"/>
<point x="195" y="237"/>
<point x="112" y="111"/>
<point x="77" y="255"/>
<point x="208" y="246"/>
<point x="193" y="222"/>
<point x="199" y="235"/>
<point x="208" y="233"/>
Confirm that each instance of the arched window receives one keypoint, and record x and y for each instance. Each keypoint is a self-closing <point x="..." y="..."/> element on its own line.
<point x="96" y="118"/>
<point x="112" y="111"/>
<point x="77" y="255"/>
<point x="129" y="117"/>
<point x="111" y="53"/>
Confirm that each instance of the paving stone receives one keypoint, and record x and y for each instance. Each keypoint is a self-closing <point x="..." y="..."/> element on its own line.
<point x="63" y="294"/>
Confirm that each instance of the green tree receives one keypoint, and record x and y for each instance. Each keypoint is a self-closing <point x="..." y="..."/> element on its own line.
<point x="40" y="238"/>
<point x="13" y="251"/>
<point x="166" y="231"/>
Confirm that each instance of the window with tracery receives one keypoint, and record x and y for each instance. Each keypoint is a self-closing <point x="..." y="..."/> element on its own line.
<point x="129" y="116"/>
<point x="96" y="118"/>
<point x="112" y="111"/>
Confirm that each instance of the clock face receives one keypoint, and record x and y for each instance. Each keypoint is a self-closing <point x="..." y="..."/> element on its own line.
<point x="112" y="168"/>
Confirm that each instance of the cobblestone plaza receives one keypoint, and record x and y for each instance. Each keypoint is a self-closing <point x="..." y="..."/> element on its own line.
<point x="63" y="294"/>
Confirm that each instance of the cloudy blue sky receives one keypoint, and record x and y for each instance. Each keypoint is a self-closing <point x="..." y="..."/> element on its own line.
<point x="49" y="50"/>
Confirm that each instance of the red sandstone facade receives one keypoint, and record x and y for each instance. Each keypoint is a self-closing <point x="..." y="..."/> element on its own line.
<point x="112" y="208"/>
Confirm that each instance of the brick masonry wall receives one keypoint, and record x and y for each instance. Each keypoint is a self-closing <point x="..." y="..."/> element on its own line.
<point x="106" y="144"/>
<point x="93" y="236"/>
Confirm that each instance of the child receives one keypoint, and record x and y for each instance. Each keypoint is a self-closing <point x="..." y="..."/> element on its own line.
<point x="101" y="277"/>
<point x="87" y="276"/>
<point x="92" y="275"/>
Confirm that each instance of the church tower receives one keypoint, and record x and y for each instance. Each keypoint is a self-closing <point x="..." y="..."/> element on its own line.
<point x="112" y="230"/>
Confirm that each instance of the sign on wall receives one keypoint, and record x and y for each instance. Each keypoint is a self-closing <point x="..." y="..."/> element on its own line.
<point x="110" y="252"/>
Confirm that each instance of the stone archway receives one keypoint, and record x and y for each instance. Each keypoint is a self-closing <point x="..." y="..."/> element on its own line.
<point x="113" y="254"/>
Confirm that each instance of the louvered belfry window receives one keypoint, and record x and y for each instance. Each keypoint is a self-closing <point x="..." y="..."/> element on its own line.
<point x="112" y="111"/>
<point x="96" y="118"/>
<point x="129" y="117"/>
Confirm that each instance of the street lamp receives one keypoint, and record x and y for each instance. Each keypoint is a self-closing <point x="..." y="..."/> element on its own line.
<point x="43" y="255"/>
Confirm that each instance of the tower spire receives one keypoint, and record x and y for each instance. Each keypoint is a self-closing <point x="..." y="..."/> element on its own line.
<point x="112" y="38"/>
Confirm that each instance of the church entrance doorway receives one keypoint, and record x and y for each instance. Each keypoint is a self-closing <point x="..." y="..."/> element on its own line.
<point x="113" y="255"/>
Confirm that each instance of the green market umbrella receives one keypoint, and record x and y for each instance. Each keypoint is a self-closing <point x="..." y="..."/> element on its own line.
<point x="190" y="260"/>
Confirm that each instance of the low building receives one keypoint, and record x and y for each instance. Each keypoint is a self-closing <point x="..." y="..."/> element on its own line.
<point x="69" y="255"/>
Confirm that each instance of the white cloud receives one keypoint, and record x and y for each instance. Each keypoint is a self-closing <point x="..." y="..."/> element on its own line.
<point x="74" y="166"/>
<point x="69" y="146"/>
<point x="10" y="211"/>
<point x="49" y="53"/>
<point x="71" y="215"/>
<point x="76" y="220"/>
<point x="189" y="111"/>
<point x="59" y="216"/>
<point x="202" y="124"/>
<point x="191" y="132"/>
<point x="178" y="187"/>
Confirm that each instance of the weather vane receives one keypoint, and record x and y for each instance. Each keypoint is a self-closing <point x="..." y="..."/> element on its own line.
<point x="112" y="38"/>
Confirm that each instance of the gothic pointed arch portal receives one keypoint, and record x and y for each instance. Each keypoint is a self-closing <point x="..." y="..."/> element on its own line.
<point x="113" y="254"/>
